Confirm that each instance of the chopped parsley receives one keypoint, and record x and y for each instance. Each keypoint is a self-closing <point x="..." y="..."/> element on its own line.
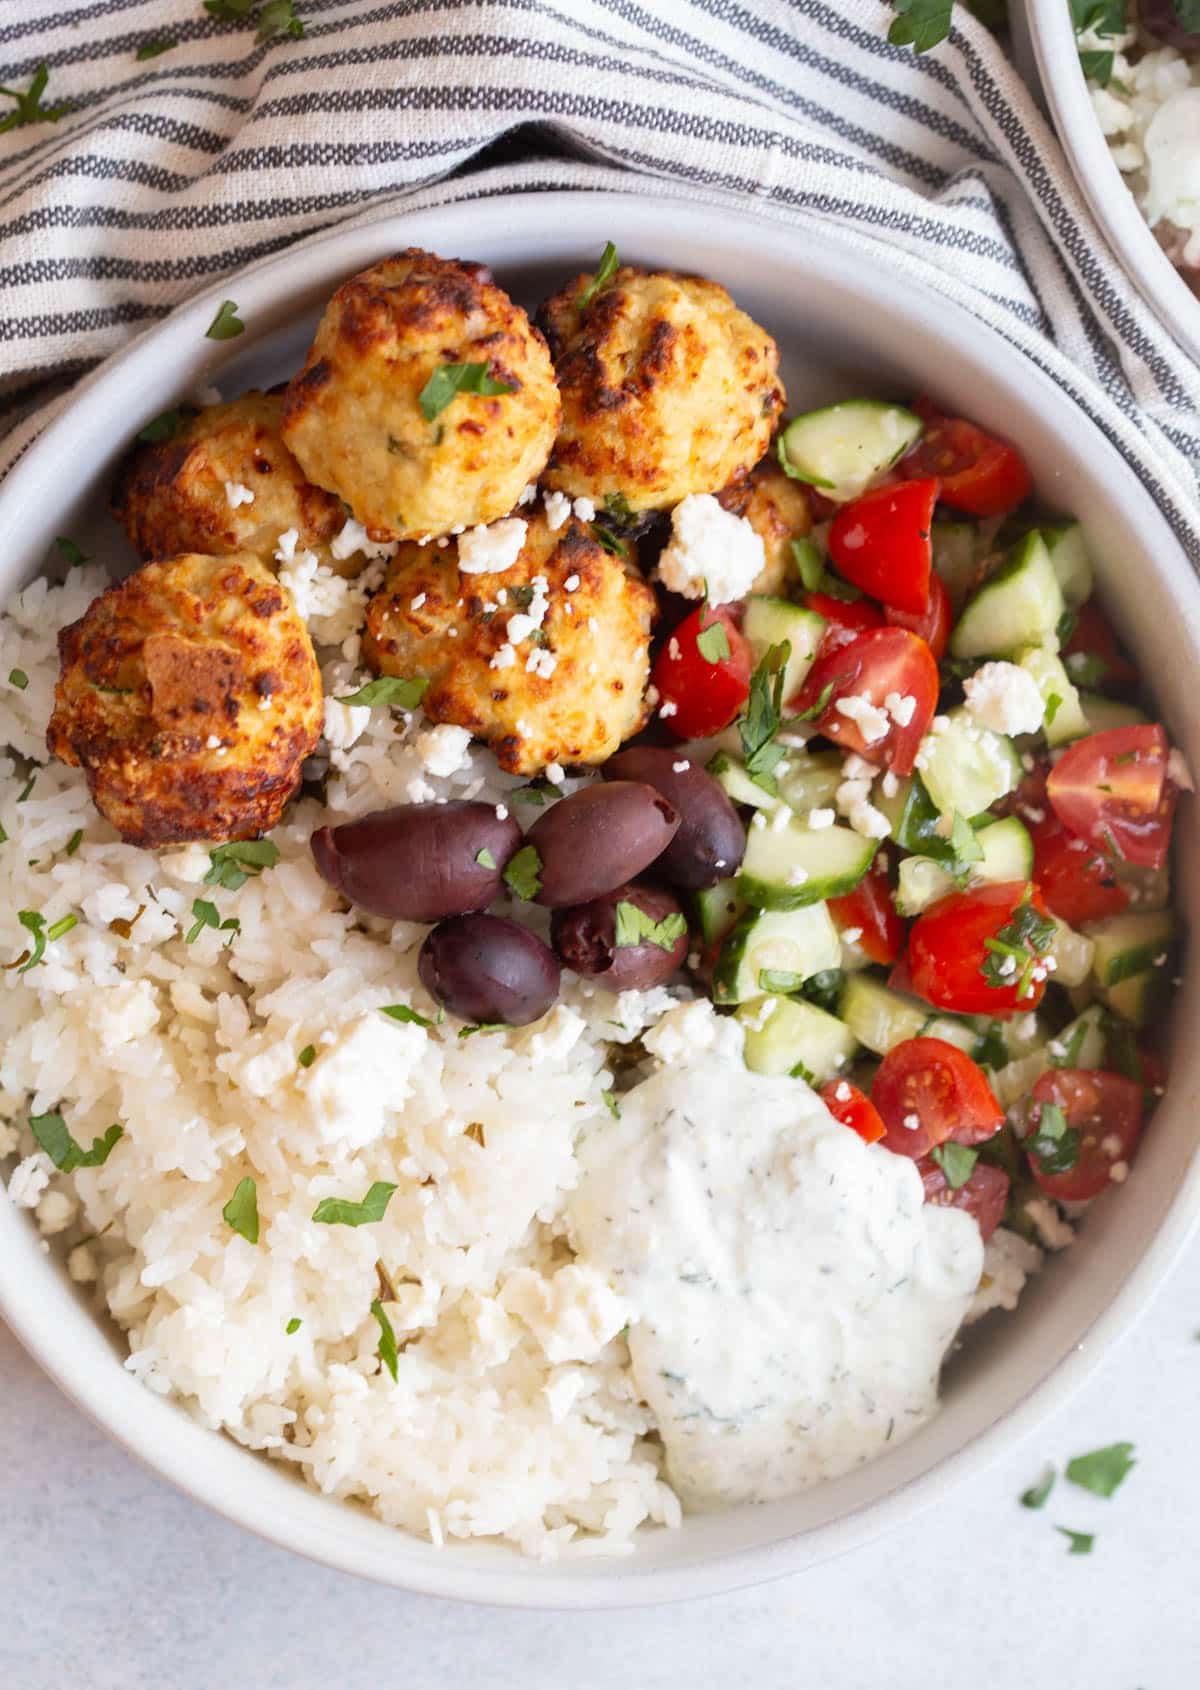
<point x="233" y="864"/>
<point x="762" y="717"/>
<point x="387" y="1351"/>
<point x="1036" y="1495"/>
<point x="226" y="325"/>
<point x="152" y="49"/>
<point x="74" y="842"/>
<point x="1081" y="1542"/>
<point x="608" y="541"/>
<point x="820" y="704"/>
<point x="339" y="1211"/>
<point x="241" y="1211"/>
<point x="62" y="926"/>
<point x="779" y="980"/>
<point x="451" y="379"/>
<point x="920" y="24"/>
<point x="1055" y="1144"/>
<point x="485" y="858"/>
<point x="810" y="565"/>
<point x="158" y="429"/>
<point x="523" y="873"/>
<point x="278" y="17"/>
<point x="33" y="923"/>
<point x="70" y="552"/>
<point x="991" y="1051"/>
<point x="233" y="10"/>
<point x="207" y="915"/>
<point x="52" y="1134"/>
<point x="712" y="642"/>
<point x="293" y="1325"/>
<point x="1018" y="947"/>
<point x="605" y="271"/>
<point x="619" y="508"/>
<point x="1102" y="1471"/>
<point x="18" y="678"/>
<point x="29" y="108"/>
<point x="394" y="690"/>
<point x="535" y="793"/>
<point x="1086" y="668"/>
<point x="611" y="1104"/>
<point x="27" y="788"/>
<point x="307" y="1056"/>
<point x="1071" y="1049"/>
<point x="957" y="1162"/>
<point x="401" y="1012"/>
<point x="482" y="1027"/>
<point x="1098" y="65"/>
<point x="964" y="847"/>
<point x="634" y="927"/>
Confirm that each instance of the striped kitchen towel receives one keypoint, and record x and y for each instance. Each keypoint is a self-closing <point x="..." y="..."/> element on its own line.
<point x="184" y="147"/>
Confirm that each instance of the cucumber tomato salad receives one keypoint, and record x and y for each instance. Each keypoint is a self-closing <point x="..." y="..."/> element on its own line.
<point x="953" y="913"/>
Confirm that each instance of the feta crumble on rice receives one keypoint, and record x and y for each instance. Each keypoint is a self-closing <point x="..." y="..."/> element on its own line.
<point x="1005" y="698"/>
<point x="710" y="547"/>
<point x="491" y="548"/>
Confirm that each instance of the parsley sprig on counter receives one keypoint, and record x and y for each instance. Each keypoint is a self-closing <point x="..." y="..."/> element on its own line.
<point x="28" y="107"/>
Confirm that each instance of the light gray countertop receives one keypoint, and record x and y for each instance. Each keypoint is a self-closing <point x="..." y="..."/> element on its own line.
<point x="112" y="1581"/>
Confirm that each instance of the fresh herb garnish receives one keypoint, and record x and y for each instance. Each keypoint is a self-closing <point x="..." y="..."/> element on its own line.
<point x="964" y="847"/>
<point x="293" y="1325"/>
<point x="534" y="793"/>
<point x="152" y="49"/>
<point x="27" y="788"/>
<point x="1036" y="1495"/>
<point x="1053" y="706"/>
<point x="633" y="927"/>
<point x="236" y="862"/>
<point x="399" y="692"/>
<point x="387" y="1351"/>
<point x="62" y="926"/>
<point x="207" y="915"/>
<point x="611" y="1104"/>
<point x="810" y="565"/>
<point x="1086" y="668"/>
<point x="241" y="1211"/>
<point x="1018" y="947"/>
<point x="619" y="508"/>
<point x="159" y="428"/>
<point x="1071" y="1049"/>
<point x="608" y="541"/>
<point x="799" y="1071"/>
<point x="523" y="873"/>
<point x="401" y="1012"/>
<point x="29" y="108"/>
<point x="52" y="1134"/>
<point x="712" y="642"/>
<point x="451" y="379"/>
<point x="1098" y="66"/>
<point x="307" y="1056"/>
<point x="35" y="924"/>
<point x="957" y="1162"/>
<point x="18" y="678"/>
<point x="278" y="17"/>
<point x="920" y="24"/>
<point x="819" y="705"/>
<point x="1102" y="1471"/>
<point x="762" y="717"/>
<point x="226" y="325"/>
<point x="70" y="552"/>
<point x="339" y="1211"/>
<point x="605" y="271"/>
<point x="779" y="980"/>
<point x="1081" y="1542"/>
<point x="233" y="10"/>
<point x="1055" y="1144"/>
<point x="485" y="858"/>
<point x="482" y="1027"/>
<point x="74" y="842"/>
<point x="1103" y="17"/>
<point x="825" y="989"/>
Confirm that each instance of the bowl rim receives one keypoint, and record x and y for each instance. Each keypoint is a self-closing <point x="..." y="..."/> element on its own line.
<point x="155" y="1430"/>
<point x="1125" y="228"/>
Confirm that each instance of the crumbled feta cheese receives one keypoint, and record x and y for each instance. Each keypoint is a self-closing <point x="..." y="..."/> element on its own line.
<point x="1053" y="1232"/>
<point x="354" y="538"/>
<point x="528" y="494"/>
<point x="1119" y="1173"/>
<point x="285" y="551"/>
<point x="710" y="547"/>
<point x="212" y="742"/>
<point x="891" y="784"/>
<point x="541" y="662"/>
<point x="1005" y="698"/>
<point x="670" y="708"/>
<point x="491" y="548"/>
<point x="237" y="493"/>
<point x="681" y="767"/>
<point x="418" y="790"/>
<point x="842" y="1092"/>
<point x="1008" y="1261"/>
<point x="443" y="749"/>
<point x="554" y="773"/>
<point x="1178" y="772"/>
<point x="870" y="720"/>
<point x="190" y="863"/>
<point x="416" y="603"/>
<point x="558" y="508"/>
<point x="912" y="1122"/>
<point x="571" y="584"/>
<point x="501" y="812"/>
<point x="855" y="767"/>
<point x="797" y="875"/>
<point x="345" y="723"/>
<point x="504" y="658"/>
<point x="852" y="935"/>
<point x="822" y="818"/>
<point x="585" y="510"/>
<point x="901" y="707"/>
<point x="527" y="622"/>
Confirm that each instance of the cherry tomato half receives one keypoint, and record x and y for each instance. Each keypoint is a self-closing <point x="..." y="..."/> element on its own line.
<point x="950" y="944"/>
<point x="853" y="1109"/>
<point x="928" y="1091"/>
<point x="1105" y="1110"/>
<point x="1093" y="637"/>
<point x="1112" y="790"/>
<point x="880" y="543"/>
<point x="983" y="1196"/>
<point x="887" y="669"/>
<point x="702" y="695"/>
<point x="979" y="473"/>
<point x="1075" y="879"/>
<point x="933" y="625"/>
<point x="843" y="619"/>
<point x="869" y="910"/>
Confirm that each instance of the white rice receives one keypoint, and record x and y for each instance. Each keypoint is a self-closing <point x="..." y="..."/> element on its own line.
<point x="513" y="1413"/>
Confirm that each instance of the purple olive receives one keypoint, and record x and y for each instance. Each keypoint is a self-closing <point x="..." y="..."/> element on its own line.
<point x="598" y="838"/>
<point x="419" y="862"/>
<point x="1161" y="19"/>
<point x="711" y="840"/>
<point x="487" y="970"/>
<point x="588" y="938"/>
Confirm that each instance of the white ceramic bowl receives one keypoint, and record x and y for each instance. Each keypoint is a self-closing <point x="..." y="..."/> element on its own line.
<point x="1044" y="29"/>
<point x="843" y="329"/>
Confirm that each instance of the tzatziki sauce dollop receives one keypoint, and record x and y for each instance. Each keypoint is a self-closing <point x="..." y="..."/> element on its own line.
<point x="793" y="1296"/>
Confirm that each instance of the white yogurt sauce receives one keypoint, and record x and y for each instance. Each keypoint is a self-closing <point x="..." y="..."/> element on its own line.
<point x="793" y="1296"/>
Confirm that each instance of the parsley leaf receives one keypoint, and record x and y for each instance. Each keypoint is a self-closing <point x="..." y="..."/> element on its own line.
<point x="1103" y="17"/>
<point x="608" y="541"/>
<point x="29" y="108"/>
<point x="1081" y="1542"/>
<point x="152" y="49"/>
<point x="485" y="858"/>
<point x="779" y="980"/>
<point x="920" y="24"/>
<point x="450" y="379"/>
<point x="611" y="1104"/>
<point x="1102" y="1471"/>
<point x="226" y="325"/>
<point x="618" y="506"/>
<point x="534" y="793"/>
<point x="482" y="1027"/>
<point x="33" y="923"/>
<point x="159" y="428"/>
<point x="397" y="691"/>
<point x="52" y="1134"/>
<point x="605" y="271"/>
<point x="238" y="861"/>
<point x="339" y="1211"/>
<point x="307" y="1056"/>
<point x="278" y="17"/>
<point x="401" y="1012"/>
<point x="810" y="565"/>
<point x="633" y="927"/>
<point x="387" y="1351"/>
<point x="1036" y="1495"/>
<point x="1018" y="946"/>
<point x="712" y="642"/>
<point x="74" y="842"/>
<point x="18" y="678"/>
<point x="762" y="717"/>
<point x="229" y="9"/>
<point x="1055" y="1144"/>
<point x="957" y="1162"/>
<point x="293" y="1325"/>
<point x="1053" y="706"/>
<point x="1098" y="67"/>
<point x="207" y="915"/>
<point x="241" y="1211"/>
<point x="820" y="704"/>
<point x="523" y="873"/>
<point x="1071" y="1049"/>
<point x="70" y="552"/>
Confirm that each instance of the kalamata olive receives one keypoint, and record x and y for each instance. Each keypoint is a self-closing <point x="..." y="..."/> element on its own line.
<point x="598" y="838"/>
<point x="711" y="840"/>
<point x="1161" y="19"/>
<point x="419" y="862"/>
<point x="485" y="969"/>
<point x="610" y="943"/>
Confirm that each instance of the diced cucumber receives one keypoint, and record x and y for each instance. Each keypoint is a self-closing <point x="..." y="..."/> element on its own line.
<point x="878" y="1017"/>
<point x="1065" y="719"/>
<point x="966" y="767"/>
<point x="954" y="1031"/>
<point x="737" y="784"/>
<point x="789" y="865"/>
<point x="785" y="945"/>
<point x="895" y="806"/>
<point x="1139" y="998"/>
<point x="790" y="1036"/>
<point x="1148" y="888"/>
<point x="1019" y="605"/>
<point x="1073" y="955"/>
<point x="1101" y="713"/>
<point x="954" y="559"/>
<point x="1017" y="1079"/>
<point x="842" y="448"/>
<point x="808" y="780"/>
<point x="1082" y="1042"/>
<point x="1007" y="855"/>
<point x="770" y="621"/>
<point x="1070" y="562"/>
<point x="1129" y="943"/>
<point x="717" y="908"/>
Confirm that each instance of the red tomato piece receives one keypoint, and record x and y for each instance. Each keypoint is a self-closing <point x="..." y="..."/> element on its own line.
<point x="928" y="1091"/>
<point x="880" y="543"/>
<point x="702" y="696"/>
<point x="870" y="910"/>
<point x="1075" y="879"/>
<point x="984" y="1194"/>
<point x="950" y="944"/>
<point x="1105" y="1111"/>
<point x="881" y="665"/>
<point x="853" y="1109"/>
<point x="979" y="473"/>
<point x="1112" y="790"/>
<point x="933" y="625"/>
<point x="1093" y="637"/>
<point x="843" y="619"/>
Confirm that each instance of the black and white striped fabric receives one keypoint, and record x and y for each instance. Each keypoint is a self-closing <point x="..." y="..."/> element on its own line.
<point x="171" y="171"/>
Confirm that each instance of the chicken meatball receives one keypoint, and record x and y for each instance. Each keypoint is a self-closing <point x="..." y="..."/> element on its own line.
<point x="427" y="399"/>
<point x="190" y="697"/>
<point x="667" y="389"/>
<point x="546" y="659"/>
<point x="189" y="493"/>
<point x="777" y="509"/>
